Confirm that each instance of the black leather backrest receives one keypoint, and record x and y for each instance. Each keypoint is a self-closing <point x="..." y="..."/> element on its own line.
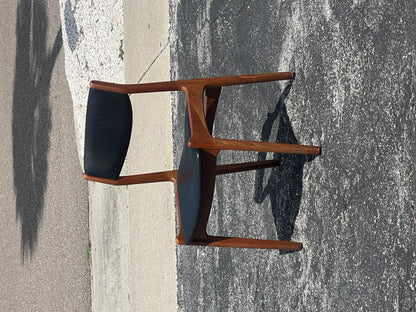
<point x="107" y="133"/>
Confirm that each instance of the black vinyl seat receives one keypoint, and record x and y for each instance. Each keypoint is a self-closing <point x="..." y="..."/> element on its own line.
<point x="189" y="186"/>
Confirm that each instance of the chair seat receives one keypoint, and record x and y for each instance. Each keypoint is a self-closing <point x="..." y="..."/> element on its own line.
<point x="189" y="186"/>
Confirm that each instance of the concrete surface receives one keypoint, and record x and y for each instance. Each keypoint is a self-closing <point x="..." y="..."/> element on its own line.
<point x="132" y="228"/>
<point x="44" y="202"/>
<point x="353" y="207"/>
<point x="93" y="44"/>
<point x="151" y="207"/>
<point x="92" y="34"/>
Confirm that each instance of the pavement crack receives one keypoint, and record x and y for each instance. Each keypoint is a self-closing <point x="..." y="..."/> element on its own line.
<point x="154" y="60"/>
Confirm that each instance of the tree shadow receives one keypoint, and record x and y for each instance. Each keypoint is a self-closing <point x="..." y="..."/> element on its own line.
<point x="31" y="123"/>
<point x="284" y="185"/>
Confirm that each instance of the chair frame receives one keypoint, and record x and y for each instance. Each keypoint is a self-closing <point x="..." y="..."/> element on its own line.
<point x="202" y="99"/>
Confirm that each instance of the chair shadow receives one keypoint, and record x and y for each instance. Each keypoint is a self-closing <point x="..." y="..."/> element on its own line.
<point x="284" y="185"/>
<point x="31" y="123"/>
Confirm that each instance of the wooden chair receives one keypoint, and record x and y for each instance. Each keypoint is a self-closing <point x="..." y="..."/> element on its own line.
<point x="107" y="136"/>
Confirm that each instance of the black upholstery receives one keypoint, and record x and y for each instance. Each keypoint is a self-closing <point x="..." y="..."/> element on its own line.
<point x="189" y="186"/>
<point x="107" y="137"/>
<point x="107" y="133"/>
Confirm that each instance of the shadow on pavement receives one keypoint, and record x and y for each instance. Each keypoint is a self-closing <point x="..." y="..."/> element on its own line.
<point x="32" y="117"/>
<point x="284" y="185"/>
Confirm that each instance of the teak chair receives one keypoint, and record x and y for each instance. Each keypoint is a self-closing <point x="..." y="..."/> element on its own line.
<point x="107" y="136"/>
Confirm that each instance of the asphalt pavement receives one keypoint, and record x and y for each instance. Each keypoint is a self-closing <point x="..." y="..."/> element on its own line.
<point x="353" y="207"/>
<point x="44" y="202"/>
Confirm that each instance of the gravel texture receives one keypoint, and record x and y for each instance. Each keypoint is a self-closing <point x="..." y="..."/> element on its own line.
<point x="93" y="43"/>
<point x="353" y="207"/>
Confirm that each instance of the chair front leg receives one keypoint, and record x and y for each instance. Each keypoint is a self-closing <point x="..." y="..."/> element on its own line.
<point x="236" y="242"/>
<point x="247" y="79"/>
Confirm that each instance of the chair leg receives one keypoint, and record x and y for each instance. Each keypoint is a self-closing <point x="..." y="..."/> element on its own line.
<point x="239" y="145"/>
<point x="231" y="168"/>
<point x="234" y="242"/>
<point x="244" y="79"/>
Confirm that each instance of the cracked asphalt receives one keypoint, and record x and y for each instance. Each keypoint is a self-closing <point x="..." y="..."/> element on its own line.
<point x="353" y="207"/>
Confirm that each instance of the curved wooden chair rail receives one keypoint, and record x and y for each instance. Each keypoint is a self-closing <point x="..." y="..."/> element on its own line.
<point x="202" y="99"/>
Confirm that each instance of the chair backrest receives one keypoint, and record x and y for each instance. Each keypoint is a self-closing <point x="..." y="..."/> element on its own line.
<point x="107" y="133"/>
